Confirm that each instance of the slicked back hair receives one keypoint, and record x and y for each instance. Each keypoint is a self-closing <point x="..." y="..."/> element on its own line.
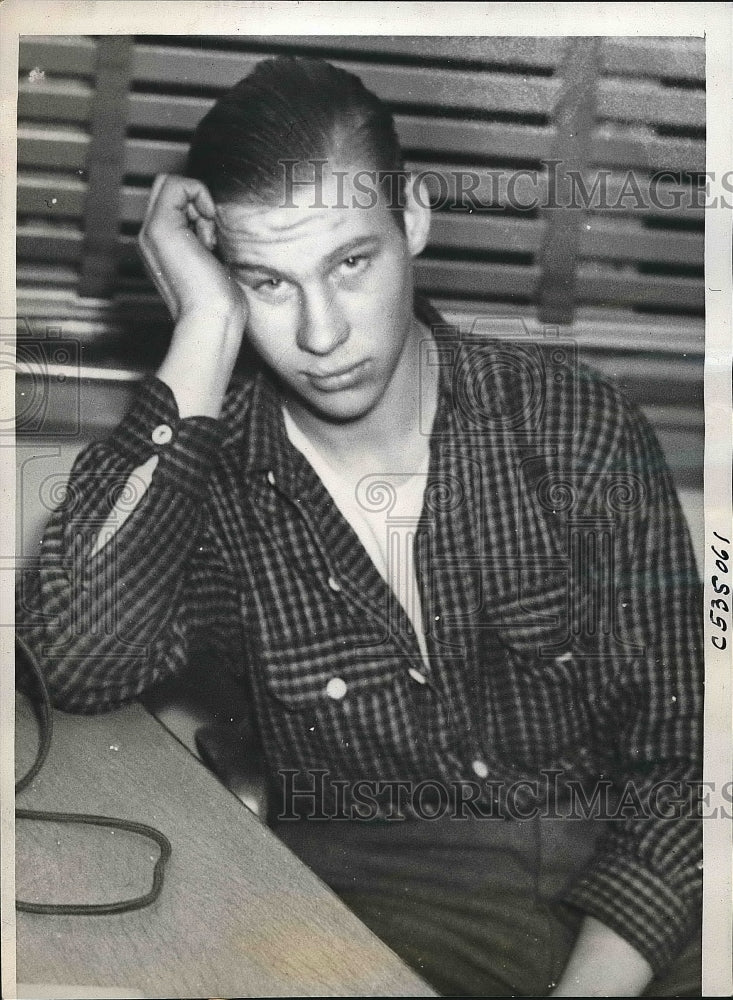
<point x="294" y="109"/>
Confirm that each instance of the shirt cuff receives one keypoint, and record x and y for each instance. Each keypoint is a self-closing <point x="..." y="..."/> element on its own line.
<point x="638" y="905"/>
<point x="187" y="448"/>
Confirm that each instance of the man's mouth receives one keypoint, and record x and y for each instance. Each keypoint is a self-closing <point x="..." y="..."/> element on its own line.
<point x="342" y="378"/>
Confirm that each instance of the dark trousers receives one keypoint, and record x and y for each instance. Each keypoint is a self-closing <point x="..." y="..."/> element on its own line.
<point x="471" y="905"/>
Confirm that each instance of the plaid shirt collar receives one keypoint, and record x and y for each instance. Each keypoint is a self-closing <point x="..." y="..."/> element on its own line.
<point x="266" y="447"/>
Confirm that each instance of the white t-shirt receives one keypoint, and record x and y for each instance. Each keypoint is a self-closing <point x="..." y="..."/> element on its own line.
<point x="384" y="510"/>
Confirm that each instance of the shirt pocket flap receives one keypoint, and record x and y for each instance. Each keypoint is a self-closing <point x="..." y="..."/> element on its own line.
<point x="325" y="671"/>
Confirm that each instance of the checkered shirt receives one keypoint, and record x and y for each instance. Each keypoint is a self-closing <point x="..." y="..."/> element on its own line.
<point x="559" y="593"/>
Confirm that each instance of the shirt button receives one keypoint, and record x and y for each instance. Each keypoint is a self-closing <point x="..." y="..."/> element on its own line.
<point x="417" y="676"/>
<point x="334" y="584"/>
<point x="162" y="434"/>
<point x="336" y="688"/>
<point x="480" y="769"/>
<point x="271" y="477"/>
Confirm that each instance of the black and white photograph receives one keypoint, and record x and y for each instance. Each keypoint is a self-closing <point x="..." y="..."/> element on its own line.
<point x="371" y="445"/>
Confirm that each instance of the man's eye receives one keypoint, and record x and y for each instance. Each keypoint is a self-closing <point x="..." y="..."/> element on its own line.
<point x="270" y="286"/>
<point x="354" y="264"/>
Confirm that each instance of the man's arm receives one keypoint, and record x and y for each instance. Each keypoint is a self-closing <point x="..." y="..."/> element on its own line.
<point x="100" y="610"/>
<point x="644" y="885"/>
<point x="201" y="298"/>
<point x="177" y="241"/>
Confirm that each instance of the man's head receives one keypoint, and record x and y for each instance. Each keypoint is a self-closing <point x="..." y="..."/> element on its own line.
<point x="325" y="265"/>
<point x="287" y="115"/>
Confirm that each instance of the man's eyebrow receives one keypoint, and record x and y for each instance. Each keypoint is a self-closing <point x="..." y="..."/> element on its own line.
<point x="251" y="265"/>
<point x="357" y="243"/>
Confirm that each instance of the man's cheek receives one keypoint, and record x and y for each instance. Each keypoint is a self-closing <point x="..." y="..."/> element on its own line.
<point x="387" y="297"/>
<point x="396" y="272"/>
<point x="270" y="331"/>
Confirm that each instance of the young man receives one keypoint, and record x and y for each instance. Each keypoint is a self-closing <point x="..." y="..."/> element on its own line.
<point x="448" y="570"/>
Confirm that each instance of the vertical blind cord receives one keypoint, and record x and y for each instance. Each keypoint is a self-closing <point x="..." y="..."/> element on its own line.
<point x="45" y="714"/>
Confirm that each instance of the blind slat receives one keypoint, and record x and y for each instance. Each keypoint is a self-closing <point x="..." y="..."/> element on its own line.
<point x="42" y="278"/>
<point x="598" y="284"/>
<point x="611" y="329"/>
<point x="401" y="84"/>
<point x="594" y="284"/>
<point x="611" y="146"/>
<point x="670" y="58"/>
<point x="626" y="240"/>
<point x="639" y="146"/>
<point x="543" y="53"/>
<point x="637" y="100"/>
<point x="51" y="243"/>
<point x="600" y="237"/>
<point x="54" y="100"/>
<point x="71" y="54"/>
<point x="52" y="148"/>
<point x="55" y="195"/>
<point x="464" y="278"/>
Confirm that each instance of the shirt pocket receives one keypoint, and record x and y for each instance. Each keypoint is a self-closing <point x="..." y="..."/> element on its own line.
<point x="544" y="715"/>
<point x="336" y="704"/>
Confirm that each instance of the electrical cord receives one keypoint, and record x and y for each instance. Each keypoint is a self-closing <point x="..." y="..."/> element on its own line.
<point x="81" y="909"/>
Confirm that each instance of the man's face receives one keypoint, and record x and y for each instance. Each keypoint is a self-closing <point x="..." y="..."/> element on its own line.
<point x="328" y="293"/>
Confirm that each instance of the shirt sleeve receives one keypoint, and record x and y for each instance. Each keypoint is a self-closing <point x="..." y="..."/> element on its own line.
<point x="106" y="624"/>
<point x="646" y="880"/>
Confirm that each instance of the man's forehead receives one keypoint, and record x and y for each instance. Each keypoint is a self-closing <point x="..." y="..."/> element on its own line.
<point x="330" y="199"/>
<point x="272" y="223"/>
<point x="311" y="229"/>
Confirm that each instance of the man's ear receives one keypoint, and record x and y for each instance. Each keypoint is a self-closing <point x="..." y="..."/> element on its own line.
<point x="416" y="215"/>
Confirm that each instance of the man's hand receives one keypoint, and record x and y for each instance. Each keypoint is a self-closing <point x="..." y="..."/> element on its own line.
<point x="603" y="964"/>
<point x="176" y="241"/>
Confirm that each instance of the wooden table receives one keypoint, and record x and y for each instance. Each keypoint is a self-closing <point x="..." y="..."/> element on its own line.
<point x="239" y="915"/>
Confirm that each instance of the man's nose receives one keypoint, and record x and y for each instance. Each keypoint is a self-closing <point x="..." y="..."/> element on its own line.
<point x="323" y="325"/>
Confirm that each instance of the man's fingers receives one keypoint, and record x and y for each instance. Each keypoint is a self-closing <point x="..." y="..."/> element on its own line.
<point x="204" y="202"/>
<point x="206" y="232"/>
<point x="176" y="202"/>
<point x="180" y="192"/>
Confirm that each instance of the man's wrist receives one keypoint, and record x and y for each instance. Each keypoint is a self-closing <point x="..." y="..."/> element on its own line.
<point x="199" y="363"/>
